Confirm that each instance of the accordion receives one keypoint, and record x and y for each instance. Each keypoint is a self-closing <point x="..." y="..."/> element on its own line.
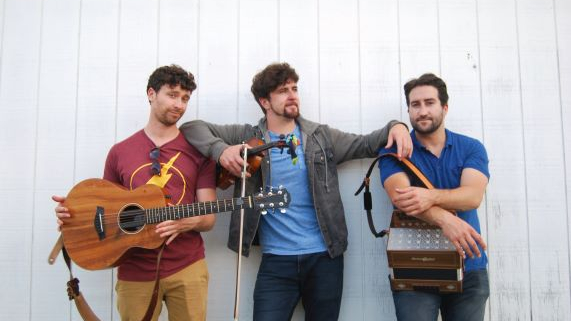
<point x="420" y="257"/>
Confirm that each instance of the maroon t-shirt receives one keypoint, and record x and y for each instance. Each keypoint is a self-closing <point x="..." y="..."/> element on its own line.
<point x="183" y="171"/>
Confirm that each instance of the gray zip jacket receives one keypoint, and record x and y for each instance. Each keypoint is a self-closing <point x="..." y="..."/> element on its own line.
<point x="324" y="148"/>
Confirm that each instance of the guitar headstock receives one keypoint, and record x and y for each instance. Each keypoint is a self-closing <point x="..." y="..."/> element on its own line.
<point x="273" y="198"/>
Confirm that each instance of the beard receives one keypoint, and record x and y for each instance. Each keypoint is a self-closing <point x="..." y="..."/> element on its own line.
<point x="291" y="113"/>
<point x="431" y="127"/>
<point x="168" y="119"/>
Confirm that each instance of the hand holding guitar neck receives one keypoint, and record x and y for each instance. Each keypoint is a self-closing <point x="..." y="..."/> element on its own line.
<point x="231" y="160"/>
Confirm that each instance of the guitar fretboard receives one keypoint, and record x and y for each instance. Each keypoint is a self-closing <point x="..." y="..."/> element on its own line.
<point x="161" y="214"/>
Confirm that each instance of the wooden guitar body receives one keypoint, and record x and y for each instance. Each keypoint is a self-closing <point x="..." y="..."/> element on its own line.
<point x="107" y="220"/>
<point x="83" y="232"/>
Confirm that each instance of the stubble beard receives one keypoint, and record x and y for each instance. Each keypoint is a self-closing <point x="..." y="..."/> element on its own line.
<point x="431" y="128"/>
<point x="168" y="120"/>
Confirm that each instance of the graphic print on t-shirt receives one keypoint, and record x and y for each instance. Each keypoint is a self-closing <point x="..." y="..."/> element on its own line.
<point x="162" y="180"/>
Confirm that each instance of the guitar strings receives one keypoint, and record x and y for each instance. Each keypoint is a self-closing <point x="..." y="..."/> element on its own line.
<point x="195" y="209"/>
<point x="129" y="217"/>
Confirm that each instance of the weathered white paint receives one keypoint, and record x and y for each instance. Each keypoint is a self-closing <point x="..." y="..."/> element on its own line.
<point x="72" y="83"/>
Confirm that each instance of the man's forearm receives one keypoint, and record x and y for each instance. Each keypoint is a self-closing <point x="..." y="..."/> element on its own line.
<point x="434" y="215"/>
<point x="463" y="198"/>
<point x="212" y="139"/>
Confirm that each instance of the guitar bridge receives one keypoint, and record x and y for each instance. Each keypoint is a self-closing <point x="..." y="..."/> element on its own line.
<point x="99" y="222"/>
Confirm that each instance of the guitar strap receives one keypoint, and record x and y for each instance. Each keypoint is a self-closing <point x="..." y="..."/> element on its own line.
<point x="74" y="294"/>
<point x="83" y="307"/>
<point x="409" y="167"/>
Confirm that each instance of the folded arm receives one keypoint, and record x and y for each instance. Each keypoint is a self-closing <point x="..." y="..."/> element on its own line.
<point x="463" y="236"/>
<point x="469" y="195"/>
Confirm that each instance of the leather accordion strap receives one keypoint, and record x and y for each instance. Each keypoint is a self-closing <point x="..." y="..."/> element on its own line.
<point x="408" y="166"/>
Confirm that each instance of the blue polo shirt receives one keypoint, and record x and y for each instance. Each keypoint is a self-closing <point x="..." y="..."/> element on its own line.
<point x="445" y="172"/>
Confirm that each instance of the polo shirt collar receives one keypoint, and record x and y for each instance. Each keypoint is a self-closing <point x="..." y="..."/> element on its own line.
<point x="418" y="144"/>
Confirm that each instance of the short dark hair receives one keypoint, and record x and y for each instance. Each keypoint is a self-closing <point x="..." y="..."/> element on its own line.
<point x="171" y="75"/>
<point x="273" y="76"/>
<point x="427" y="79"/>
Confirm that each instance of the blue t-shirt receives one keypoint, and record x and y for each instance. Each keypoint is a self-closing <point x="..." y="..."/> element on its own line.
<point x="445" y="172"/>
<point x="296" y="231"/>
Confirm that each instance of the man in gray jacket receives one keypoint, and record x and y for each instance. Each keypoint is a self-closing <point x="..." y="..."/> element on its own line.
<point x="302" y="250"/>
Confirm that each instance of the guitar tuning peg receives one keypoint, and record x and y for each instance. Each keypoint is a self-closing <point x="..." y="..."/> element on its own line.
<point x="271" y="205"/>
<point x="261" y="189"/>
<point x="282" y="210"/>
<point x="263" y="212"/>
<point x="280" y="187"/>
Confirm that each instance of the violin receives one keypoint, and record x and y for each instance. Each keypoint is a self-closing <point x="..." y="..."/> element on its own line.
<point x="225" y="179"/>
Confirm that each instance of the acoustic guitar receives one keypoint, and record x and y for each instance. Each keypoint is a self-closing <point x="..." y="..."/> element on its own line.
<point x="107" y="219"/>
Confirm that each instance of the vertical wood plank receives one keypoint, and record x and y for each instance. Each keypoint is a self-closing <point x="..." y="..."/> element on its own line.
<point x="218" y="61"/>
<point x="508" y="238"/>
<point x="96" y="124"/>
<point x="419" y="38"/>
<point x="57" y="95"/>
<point x="137" y="59"/>
<point x="178" y="42"/>
<point x="138" y="50"/>
<point x="460" y="59"/>
<point x="21" y="37"/>
<point x="562" y="10"/>
<point x="549" y="257"/>
<point x="257" y="47"/>
<point x="298" y="24"/>
<point x="340" y="106"/>
<point x="217" y="102"/>
<point x="381" y="101"/>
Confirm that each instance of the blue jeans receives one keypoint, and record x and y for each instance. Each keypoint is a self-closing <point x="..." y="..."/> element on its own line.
<point x="470" y="305"/>
<point x="283" y="279"/>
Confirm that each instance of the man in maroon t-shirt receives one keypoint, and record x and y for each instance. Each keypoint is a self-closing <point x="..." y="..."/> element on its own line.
<point x="158" y="154"/>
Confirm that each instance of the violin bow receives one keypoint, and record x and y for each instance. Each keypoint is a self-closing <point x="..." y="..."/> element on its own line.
<point x="239" y="265"/>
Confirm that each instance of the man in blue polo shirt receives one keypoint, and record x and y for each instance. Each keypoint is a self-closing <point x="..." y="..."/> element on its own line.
<point x="457" y="166"/>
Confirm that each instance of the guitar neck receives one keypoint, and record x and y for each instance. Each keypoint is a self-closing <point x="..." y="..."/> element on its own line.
<point x="161" y="214"/>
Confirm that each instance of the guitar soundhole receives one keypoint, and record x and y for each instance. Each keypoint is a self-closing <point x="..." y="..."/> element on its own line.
<point x="132" y="219"/>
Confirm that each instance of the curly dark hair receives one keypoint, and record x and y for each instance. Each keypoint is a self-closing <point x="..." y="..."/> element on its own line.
<point x="171" y="75"/>
<point x="427" y="79"/>
<point x="273" y="76"/>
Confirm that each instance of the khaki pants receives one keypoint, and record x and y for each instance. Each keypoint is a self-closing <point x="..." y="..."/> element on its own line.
<point x="185" y="294"/>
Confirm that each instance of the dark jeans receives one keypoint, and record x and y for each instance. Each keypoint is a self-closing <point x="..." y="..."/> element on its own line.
<point x="470" y="305"/>
<point x="283" y="279"/>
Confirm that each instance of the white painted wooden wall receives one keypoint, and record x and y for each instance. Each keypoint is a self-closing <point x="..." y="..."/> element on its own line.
<point x="72" y="83"/>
